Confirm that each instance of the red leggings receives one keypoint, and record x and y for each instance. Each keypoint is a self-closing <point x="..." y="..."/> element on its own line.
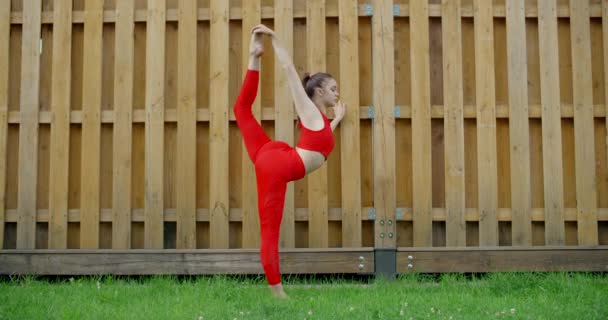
<point x="276" y="163"/>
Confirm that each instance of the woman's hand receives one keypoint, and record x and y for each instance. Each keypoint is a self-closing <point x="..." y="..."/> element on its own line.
<point x="256" y="46"/>
<point x="262" y="29"/>
<point x="339" y="110"/>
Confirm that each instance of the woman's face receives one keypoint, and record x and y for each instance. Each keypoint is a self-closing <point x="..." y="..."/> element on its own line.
<point x="330" y="94"/>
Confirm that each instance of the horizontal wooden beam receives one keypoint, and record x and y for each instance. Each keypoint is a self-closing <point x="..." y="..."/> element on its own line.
<point x="236" y="13"/>
<point x="181" y="262"/>
<point x="438" y="260"/>
<point x="268" y="114"/>
<point x="301" y="214"/>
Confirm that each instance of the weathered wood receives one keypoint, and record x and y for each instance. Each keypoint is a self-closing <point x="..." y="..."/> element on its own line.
<point x="91" y="125"/>
<point x="60" y="128"/>
<point x="586" y="189"/>
<point x="421" y="124"/>
<point x="350" y="126"/>
<point x="218" y="126"/>
<point x="493" y="259"/>
<point x="141" y="262"/>
<point x="123" y="126"/>
<point x="284" y="113"/>
<point x="605" y="47"/>
<point x="186" y="127"/>
<point x="317" y="181"/>
<point x="486" y="124"/>
<point x="519" y="131"/>
<point x="155" y="132"/>
<point x="251" y="224"/>
<point x="555" y="233"/>
<point x="383" y="82"/>
<point x="5" y="10"/>
<point x="28" y="129"/>
<point x="454" y="124"/>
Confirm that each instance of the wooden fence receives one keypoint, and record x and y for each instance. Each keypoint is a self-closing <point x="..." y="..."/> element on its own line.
<point x="471" y="123"/>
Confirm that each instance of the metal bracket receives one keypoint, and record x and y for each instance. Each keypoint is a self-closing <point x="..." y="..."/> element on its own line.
<point x="371" y="112"/>
<point x="399" y="214"/>
<point x="371" y="214"/>
<point x="368" y="10"/>
<point x="397" y="111"/>
<point x="386" y="263"/>
<point x="396" y="10"/>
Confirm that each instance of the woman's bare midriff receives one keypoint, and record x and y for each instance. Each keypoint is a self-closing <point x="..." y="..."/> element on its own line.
<point x="312" y="160"/>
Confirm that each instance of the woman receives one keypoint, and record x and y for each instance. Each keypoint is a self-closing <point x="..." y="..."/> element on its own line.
<point x="276" y="163"/>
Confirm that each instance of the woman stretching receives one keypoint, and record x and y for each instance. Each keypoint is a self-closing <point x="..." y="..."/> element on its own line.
<point x="276" y="163"/>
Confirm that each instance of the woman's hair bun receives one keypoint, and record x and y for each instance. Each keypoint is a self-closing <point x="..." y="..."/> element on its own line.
<point x="305" y="79"/>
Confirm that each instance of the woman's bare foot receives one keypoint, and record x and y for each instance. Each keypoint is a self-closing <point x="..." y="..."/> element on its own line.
<point x="277" y="291"/>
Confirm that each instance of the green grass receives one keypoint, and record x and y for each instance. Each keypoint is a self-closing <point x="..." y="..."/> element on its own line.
<point x="450" y="296"/>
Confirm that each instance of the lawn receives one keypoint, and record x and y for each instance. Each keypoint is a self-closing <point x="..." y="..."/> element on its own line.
<point x="448" y="296"/>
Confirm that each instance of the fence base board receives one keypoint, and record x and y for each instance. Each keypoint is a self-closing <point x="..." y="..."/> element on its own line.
<point x="181" y="262"/>
<point x="439" y="260"/>
<point x="382" y="262"/>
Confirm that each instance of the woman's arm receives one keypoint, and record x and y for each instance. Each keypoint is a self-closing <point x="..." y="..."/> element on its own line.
<point x="305" y="108"/>
<point x="339" y="112"/>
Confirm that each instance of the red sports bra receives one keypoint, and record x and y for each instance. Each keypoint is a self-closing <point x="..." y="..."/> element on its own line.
<point x="317" y="140"/>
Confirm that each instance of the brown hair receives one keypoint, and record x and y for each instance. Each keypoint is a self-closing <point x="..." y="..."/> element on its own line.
<point x="316" y="80"/>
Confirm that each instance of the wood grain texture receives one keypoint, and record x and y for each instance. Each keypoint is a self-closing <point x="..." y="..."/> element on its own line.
<point x="183" y="262"/>
<point x="251" y="224"/>
<point x="454" y="124"/>
<point x="284" y="113"/>
<point x="5" y="8"/>
<point x="519" y="130"/>
<point x="186" y="127"/>
<point x="350" y="125"/>
<point x="318" y="228"/>
<point x="551" y="125"/>
<point x="383" y="82"/>
<point x="28" y="128"/>
<point x="60" y="128"/>
<point x="486" y="124"/>
<point x="155" y="127"/>
<point x="586" y="189"/>
<point x="421" y="124"/>
<point x="218" y="126"/>
<point x="123" y="126"/>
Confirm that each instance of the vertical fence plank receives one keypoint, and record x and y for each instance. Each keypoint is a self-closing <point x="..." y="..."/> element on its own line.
<point x="186" y="126"/>
<point x="317" y="181"/>
<point x="383" y="82"/>
<point x="91" y="125"/>
<point x="284" y="112"/>
<point x="5" y="25"/>
<point x="518" y="123"/>
<point x="551" y="123"/>
<point x="486" y="123"/>
<point x="421" y="124"/>
<point x="155" y="131"/>
<point x="123" y="125"/>
<point x="218" y="125"/>
<point x="251" y="226"/>
<point x="60" y="127"/>
<point x="349" y="127"/>
<point x="584" y="142"/>
<point x="454" y="124"/>
<point x="605" y="47"/>
<point x="28" y="128"/>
